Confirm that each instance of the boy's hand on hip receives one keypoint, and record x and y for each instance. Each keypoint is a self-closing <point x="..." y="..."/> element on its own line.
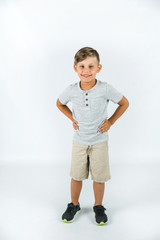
<point x="105" y="126"/>
<point x="75" y="124"/>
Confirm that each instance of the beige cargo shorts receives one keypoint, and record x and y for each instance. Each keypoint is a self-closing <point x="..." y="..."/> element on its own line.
<point x="93" y="158"/>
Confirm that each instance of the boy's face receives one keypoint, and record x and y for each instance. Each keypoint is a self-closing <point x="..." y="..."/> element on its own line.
<point x="87" y="69"/>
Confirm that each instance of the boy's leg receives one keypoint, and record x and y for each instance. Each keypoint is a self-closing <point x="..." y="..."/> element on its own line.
<point x="76" y="187"/>
<point x="100" y="171"/>
<point x="98" y="192"/>
<point x="79" y="169"/>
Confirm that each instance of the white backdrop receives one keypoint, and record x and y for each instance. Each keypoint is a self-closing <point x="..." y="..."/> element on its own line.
<point x="38" y="41"/>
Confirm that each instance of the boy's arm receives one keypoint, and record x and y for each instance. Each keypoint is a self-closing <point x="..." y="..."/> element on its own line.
<point x="64" y="109"/>
<point x="123" y="105"/>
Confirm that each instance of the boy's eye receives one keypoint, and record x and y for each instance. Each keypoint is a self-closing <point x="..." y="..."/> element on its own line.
<point x="89" y="66"/>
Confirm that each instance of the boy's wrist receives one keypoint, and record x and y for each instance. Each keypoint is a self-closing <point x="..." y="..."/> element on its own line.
<point x="72" y="119"/>
<point x="111" y="122"/>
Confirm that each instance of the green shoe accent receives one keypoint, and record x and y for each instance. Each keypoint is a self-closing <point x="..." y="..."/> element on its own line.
<point x="65" y="220"/>
<point x="101" y="223"/>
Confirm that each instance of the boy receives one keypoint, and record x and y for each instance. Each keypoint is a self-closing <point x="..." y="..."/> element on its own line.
<point x="89" y="99"/>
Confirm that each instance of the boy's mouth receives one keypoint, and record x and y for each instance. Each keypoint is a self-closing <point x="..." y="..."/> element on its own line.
<point x="86" y="75"/>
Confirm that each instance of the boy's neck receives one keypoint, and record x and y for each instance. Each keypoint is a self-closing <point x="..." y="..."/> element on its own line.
<point x="87" y="86"/>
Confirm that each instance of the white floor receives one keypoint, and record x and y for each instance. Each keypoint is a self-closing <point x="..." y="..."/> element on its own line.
<point x="33" y="199"/>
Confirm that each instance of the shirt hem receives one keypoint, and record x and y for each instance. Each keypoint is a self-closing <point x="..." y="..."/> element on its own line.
<point x="95" y="142"/>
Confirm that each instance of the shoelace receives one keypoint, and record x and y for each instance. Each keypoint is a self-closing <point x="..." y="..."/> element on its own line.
<point x="70" y="208"/>
<point x="100" y="210"/>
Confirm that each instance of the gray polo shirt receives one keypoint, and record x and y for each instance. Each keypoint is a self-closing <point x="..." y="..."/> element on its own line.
<point x="89" y="109"/>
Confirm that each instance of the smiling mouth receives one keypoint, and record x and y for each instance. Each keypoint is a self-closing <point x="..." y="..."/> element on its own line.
<point x="86" y="75"/>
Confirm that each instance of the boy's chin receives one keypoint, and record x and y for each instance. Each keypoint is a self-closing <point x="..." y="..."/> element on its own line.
<point x="85" y="80"/>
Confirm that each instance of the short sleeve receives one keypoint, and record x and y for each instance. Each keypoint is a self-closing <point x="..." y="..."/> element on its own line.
<point x="113" y="94"/>
<point x="64" y="97"/>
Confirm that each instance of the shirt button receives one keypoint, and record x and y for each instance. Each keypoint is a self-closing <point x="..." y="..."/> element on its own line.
<point x="86" y="104"/>
<point x="86" y="93"/>
<point x="86" y="98"/>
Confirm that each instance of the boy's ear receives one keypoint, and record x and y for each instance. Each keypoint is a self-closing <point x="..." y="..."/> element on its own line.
<point x="99" y="67"/>
<point x="75" y="67"/>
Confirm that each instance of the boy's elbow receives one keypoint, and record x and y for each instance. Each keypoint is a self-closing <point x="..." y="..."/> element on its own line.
<point x="58" y="103"/>
<point x="127" y="103"/>
<point x="124" y="101"/>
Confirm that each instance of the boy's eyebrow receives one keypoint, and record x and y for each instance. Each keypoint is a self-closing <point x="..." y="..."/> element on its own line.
<point x="88" y="63"/>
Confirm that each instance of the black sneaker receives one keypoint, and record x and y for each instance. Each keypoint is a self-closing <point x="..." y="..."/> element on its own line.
<point x="100" y="216"/>
<point x="71" y="212"/>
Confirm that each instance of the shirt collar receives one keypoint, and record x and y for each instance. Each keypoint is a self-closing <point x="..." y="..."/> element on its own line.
<point x="89" y="90"/>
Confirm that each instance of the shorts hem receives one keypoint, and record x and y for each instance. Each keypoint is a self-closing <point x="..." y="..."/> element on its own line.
<point x="102" y="181"/>
<point x="78" y="179"/>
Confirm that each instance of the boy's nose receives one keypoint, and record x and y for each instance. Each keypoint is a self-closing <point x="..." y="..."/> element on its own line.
<point x="85" y="70"/>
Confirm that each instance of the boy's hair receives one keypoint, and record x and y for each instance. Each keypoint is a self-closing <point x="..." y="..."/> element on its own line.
<point x="85" y="52"/>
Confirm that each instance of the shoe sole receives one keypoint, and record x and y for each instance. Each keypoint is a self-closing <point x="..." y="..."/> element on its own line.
<point x="101" y="223"/>
<point x="77" y="213"/>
